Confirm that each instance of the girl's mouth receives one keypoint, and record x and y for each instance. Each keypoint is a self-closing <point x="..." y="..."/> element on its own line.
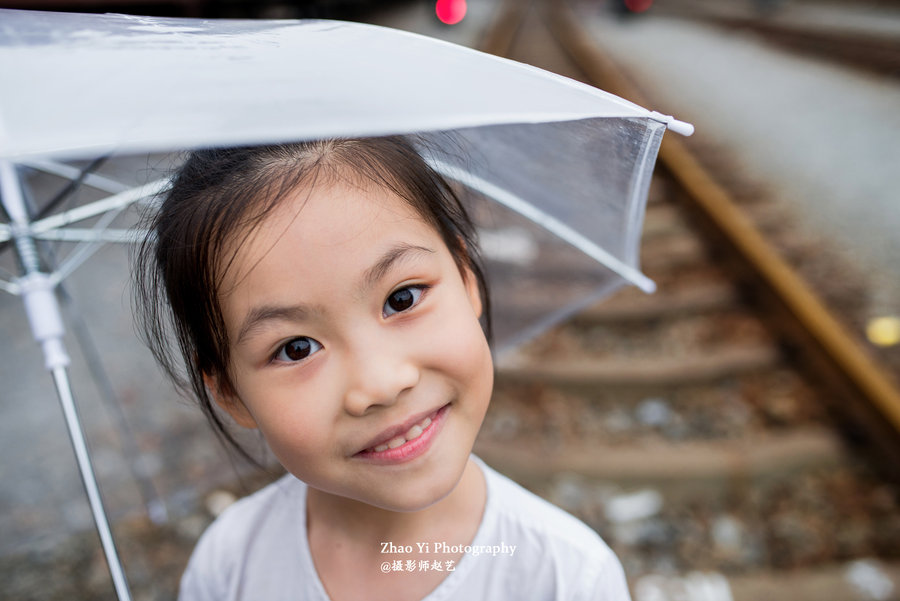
<point x="409" y="444"/>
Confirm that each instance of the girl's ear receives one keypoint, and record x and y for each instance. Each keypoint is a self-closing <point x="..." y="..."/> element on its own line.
<point x="229" y="402"/>
<point x="470" y="281"/>
<point x="472" y="290"/>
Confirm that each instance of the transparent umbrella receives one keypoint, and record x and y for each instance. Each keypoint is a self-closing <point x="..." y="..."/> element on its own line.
<point x="555" y="172"/>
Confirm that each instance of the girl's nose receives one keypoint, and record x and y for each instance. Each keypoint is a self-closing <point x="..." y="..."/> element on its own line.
<point x="378" y="377"/>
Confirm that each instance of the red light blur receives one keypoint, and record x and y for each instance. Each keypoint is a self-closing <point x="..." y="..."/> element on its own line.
<point x="638" y="6"/>
<point x="450" y="12"/>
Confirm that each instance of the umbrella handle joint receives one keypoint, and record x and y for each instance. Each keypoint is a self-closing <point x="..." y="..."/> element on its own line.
<point x="44" y="317"/>
<point x="35" y="287"/>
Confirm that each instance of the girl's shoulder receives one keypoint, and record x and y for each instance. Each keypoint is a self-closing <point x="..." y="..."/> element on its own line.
<point x="556" y="555"/>
<point x="246" y="531"/>
<point x="244" y="517"/>
<point x="522" y="509"/>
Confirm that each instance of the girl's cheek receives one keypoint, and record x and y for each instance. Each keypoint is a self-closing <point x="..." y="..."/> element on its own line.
<point x="461" y="339"/>
<point x="269" y="391"/>
<point x="296" y="425"/>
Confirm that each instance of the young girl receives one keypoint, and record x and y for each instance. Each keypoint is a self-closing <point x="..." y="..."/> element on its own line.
<point x="329" y="294"/>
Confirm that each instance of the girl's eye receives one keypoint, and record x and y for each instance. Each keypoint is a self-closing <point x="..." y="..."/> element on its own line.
<point x="298" y="349"/>
<point x="402" y="299"/>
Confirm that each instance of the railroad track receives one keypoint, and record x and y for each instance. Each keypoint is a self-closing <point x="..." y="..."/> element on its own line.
<point x="716" y="432"/>
<point x="879" y="54"/>
<point x="867" y="48"/>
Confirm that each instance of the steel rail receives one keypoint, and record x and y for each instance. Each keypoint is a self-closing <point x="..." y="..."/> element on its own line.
<point x="825" y="345"/>
<point x="879" y="54"/>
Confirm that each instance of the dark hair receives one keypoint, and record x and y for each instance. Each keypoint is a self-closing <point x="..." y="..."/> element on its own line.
<point x="215" y="199"/>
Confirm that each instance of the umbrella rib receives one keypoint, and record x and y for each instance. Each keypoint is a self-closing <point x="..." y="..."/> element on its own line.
<point x="10" y="287"/>
<point x="69" y="172"/>
<point x="550" y="223"/>
<point x="111" y="203"/>
<point x="642" y="178"/>
<point x="85" y="250"/>
<point x="72" y="234"/>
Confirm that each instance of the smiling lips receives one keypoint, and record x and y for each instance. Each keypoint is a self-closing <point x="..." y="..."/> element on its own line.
<point x="405" y="446"/>
<point x="410" y="434"/>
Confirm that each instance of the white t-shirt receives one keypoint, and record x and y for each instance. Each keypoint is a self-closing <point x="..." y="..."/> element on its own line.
<point x="258" y="550"/>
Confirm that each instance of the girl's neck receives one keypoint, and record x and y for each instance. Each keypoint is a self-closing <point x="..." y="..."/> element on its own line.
<point x="368" y="524"/>
<point x="347" y="540"/>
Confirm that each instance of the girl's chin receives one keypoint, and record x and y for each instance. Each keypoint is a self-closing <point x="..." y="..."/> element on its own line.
<point x="403" y="495"/>
<point x="412" y="497"/>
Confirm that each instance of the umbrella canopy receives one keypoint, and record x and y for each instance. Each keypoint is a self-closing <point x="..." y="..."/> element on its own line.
<point x="82" y="85"/>
<point x="555" y="172"/>
<point x="555" y="152"/>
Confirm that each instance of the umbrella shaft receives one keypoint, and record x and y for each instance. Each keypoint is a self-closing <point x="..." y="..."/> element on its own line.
<point x="46" y="323"/>
<point x="76" y="435"/>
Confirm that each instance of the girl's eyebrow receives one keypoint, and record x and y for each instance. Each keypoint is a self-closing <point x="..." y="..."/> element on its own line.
<point x="257" y="316"/>
<point x="393" y="255"/>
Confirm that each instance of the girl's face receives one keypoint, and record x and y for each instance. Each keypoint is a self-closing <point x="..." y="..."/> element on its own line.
<point x="356" y="347"/>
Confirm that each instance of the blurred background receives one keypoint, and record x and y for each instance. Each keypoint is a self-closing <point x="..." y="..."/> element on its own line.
<point x="719" y="456"/>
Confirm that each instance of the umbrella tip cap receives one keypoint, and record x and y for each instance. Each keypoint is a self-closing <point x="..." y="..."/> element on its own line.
<point x="679" y="127"/>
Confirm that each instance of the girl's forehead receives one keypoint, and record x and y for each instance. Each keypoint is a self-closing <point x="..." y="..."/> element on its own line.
<point x="340" y="208"/>
<point x="325" y="221"/>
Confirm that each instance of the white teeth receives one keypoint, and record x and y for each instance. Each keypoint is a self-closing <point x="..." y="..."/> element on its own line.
<point x="411" y="434"/>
